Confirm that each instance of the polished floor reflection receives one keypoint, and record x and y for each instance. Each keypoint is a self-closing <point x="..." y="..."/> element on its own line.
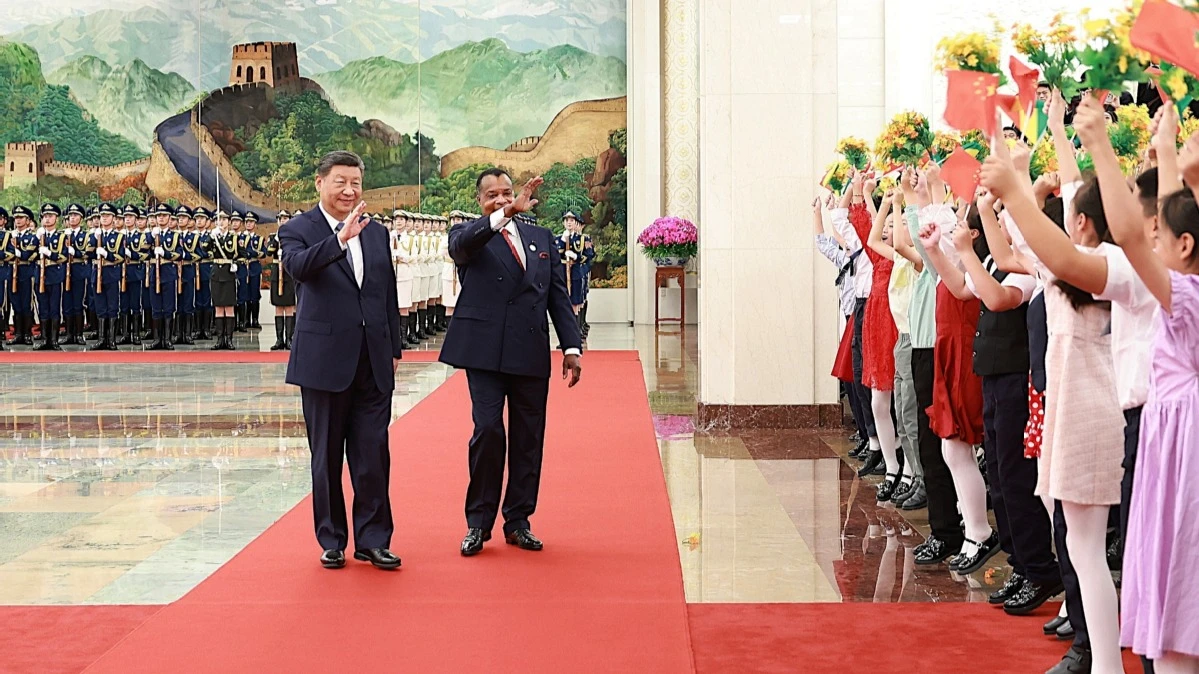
<point x="132" y="483"/>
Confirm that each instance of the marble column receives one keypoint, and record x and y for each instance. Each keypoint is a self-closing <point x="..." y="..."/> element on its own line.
<point x="769" y="120"/>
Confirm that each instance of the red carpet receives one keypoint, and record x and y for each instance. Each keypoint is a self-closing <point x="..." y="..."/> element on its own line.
<point x="168" y="357"/>
<point x="606" y="595"/>
<point x="63" y="639"/>
<point x="864" y="637"/>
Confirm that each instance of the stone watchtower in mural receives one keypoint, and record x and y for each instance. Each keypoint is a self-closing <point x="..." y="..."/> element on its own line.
<point x="25" y="162"/>
<point x="271" y="62"/>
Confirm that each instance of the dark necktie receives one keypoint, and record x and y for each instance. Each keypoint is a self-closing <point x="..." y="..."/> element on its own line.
<point x="349" y="255"/>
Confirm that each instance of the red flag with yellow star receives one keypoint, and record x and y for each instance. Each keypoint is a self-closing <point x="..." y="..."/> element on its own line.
<point x="970" y="100"/>
<point x="960" y="172"/>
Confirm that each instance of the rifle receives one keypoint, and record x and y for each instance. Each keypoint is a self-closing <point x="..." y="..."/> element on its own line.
<point x="99" y="264"/>
<point x="158" y="267"/>
<point x="41" y="284"/>
<point x="67" y="283"/>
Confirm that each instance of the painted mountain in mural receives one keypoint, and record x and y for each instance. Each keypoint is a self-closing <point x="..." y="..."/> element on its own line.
<point x="329" y="35"/>
<point x="479" y="93"/>
<point x="130" y="99"/>
<point x="32" y="109"/>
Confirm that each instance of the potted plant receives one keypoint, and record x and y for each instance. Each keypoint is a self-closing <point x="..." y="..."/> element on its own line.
<point x="670" y="241"/>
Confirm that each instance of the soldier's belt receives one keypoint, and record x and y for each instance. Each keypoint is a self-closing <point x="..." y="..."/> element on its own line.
<point x="111" y="264"/>
<point x="223" y="262"/>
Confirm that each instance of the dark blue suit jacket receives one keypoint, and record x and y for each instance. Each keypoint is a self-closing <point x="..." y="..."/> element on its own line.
<point x="332" y="312"/>
<point x="500" y="320"/>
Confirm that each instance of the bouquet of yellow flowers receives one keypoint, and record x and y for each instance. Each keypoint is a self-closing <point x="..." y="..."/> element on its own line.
<point x="855" y="150"/>
<point x="887" y="183"/>
<point x="970" y="51"/>
<point x="1043" y="160"/>
<point x="1109" y="56"/>
<point x="1130" y="136"/>
<point x="905" y="140"/>
<point x="1187" y="127"/>
<point x="836" y="176"/>
<point x="1180" y="85"/>
<point x="1055" y="53"/>
<point x="975" y="143"/>
<point x="944" y="143"/>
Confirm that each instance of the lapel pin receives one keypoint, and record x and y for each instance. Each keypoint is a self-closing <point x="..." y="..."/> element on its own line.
<point x="532" y="246"/>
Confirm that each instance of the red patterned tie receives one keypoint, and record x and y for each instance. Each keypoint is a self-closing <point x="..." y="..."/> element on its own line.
<point x="515" y="253"/>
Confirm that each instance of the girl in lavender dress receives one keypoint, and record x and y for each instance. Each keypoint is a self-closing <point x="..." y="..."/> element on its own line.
<point x="1161" y="560"/>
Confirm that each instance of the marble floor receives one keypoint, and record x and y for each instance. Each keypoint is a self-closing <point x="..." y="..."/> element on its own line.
<point x="132" y="483"/>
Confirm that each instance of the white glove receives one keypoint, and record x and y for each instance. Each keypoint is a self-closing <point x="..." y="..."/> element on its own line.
<point x="233" y="268"/>
<point x="41" y="231"/>
<point x="128" y="253"/>
<point x="71" y="251"/>
<point x="159" y="252"/>
<point x="102" y="253"/>
<point x="44" y="251"/>
<point x="156" y="231"/>
<point x="571" y="255"/>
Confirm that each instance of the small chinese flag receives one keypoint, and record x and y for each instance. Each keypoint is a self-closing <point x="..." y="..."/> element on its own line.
<point x="970" y="100"/>
<point x="960" y="172"/>
<point x="1026" y="79"/>
<point x="1168" y="32"/>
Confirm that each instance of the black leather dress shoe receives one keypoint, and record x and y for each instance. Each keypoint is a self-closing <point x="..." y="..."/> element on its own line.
<point x="1050" y="628"/>
<point x="523" y="539"/>
<point x="902" y="490"/>
<point x="1031" y="597"/>
<point x="859" y="451"/>
<point x="473" y="543"/>
<point x="984" y="551"/>
<point x="917" y="498"/>
<point x="381" y="558"/>
<point x="874" y="463"/>
<point x="1065" y="632"/>
<point x="1076" y="661"/>
<point x="1014" y="584"/>
<point x="934" y="551"/>
<point x="887" y="488"/>
<point x="333" y="559"/>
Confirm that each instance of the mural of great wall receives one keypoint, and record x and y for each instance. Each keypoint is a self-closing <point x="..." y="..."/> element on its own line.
<point x="121" y="121"/>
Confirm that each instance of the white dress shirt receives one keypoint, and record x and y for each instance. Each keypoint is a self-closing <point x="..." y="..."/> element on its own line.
<point x="498" y="223"/>
<point x="355" y="246"/>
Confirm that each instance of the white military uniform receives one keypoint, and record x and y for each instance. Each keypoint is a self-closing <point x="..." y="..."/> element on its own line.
<point x="428" y="266"/>
<point x="450" y="286"/>
<point x="402" y="259"/>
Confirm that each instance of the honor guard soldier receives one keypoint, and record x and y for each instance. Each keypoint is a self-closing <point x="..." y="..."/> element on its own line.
<point x="107" y="245"/>
<point x="189" y="268"/>
<point x="131" y="281"/>
<point x="74" y="288"/>
<point x="283" y="289"/>
<point x="429" y="274"/>
<point x="8" y="261"/>
<point x="148" y="334"/>
<point x="91" y="319"/>
<point x="451" y="286"/>
<point x="242" y="262"/>
<point x="404" y="262"/>
<point x="163" y="275"/>
<point x="255" y="251"/>
<point x="140" y="243"/>
<point x="52" y="274"/>
<point x="223" y="250"/>
<point x="204" y="223"/>
<point x="26" y="276"/>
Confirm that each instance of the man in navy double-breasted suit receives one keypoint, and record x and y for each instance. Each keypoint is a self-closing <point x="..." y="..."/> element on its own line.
<point x="346" y="350"/>
<point x="511" y="277"/>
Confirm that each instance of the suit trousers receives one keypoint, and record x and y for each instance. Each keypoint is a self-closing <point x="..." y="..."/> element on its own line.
<point x="1024" y="527"/>
<point x="905" y="405"/>
<point x="522" y="443"/>
<point x="943" y="516"/>
<point x="863" y="392"/>
<point x="351" y="424"/>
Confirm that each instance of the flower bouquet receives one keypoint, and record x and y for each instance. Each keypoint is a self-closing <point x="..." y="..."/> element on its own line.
<point x="670" y="241"/>
<point x="1055" y="53"/>
<point x="970" y="51"/>
<point x="1130" y="136"/>
<point x="905" y="140"/>
<point x="1043" y="160"/>
<point x="885" y="185"/>
<point x="944" y="143"/>
<point x="1187" y="127"/>
<point x="836" y="177"/>
<point x="855" y="150"/>
<point x="1180" y="85"/>
<point x="1110" y="58"/>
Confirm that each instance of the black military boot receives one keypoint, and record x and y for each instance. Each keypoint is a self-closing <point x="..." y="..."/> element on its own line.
<point x="93" y="325"/>
<point x="108" y="334"/>
<point x="126" y="327"/>
<point x="289" y="331"/>
<point x="183" y="331"/>
<point x="280" y="341"/>
<point x="202" y="325"/>
<point x="253" y="318"/>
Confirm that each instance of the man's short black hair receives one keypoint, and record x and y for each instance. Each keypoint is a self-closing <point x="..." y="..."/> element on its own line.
<point x="494" y="171"/>
<point x="1147" y="192"/>
<point x="339" y="158"/>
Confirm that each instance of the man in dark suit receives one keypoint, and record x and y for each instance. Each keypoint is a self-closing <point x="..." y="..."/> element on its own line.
<point x="511" y="276"/>
<point x="344" y="357"/>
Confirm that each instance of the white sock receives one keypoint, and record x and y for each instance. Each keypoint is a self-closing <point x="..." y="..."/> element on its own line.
<point x="880" y="404"/>
<point x="972" y="491"/>
<point x="1086" y="538"/>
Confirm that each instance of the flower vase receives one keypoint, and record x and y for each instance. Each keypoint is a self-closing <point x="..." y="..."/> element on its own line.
<point x="670" y="261"/>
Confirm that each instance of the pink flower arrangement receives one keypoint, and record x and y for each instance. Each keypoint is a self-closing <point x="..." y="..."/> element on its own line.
<point x="670" y="237"/>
